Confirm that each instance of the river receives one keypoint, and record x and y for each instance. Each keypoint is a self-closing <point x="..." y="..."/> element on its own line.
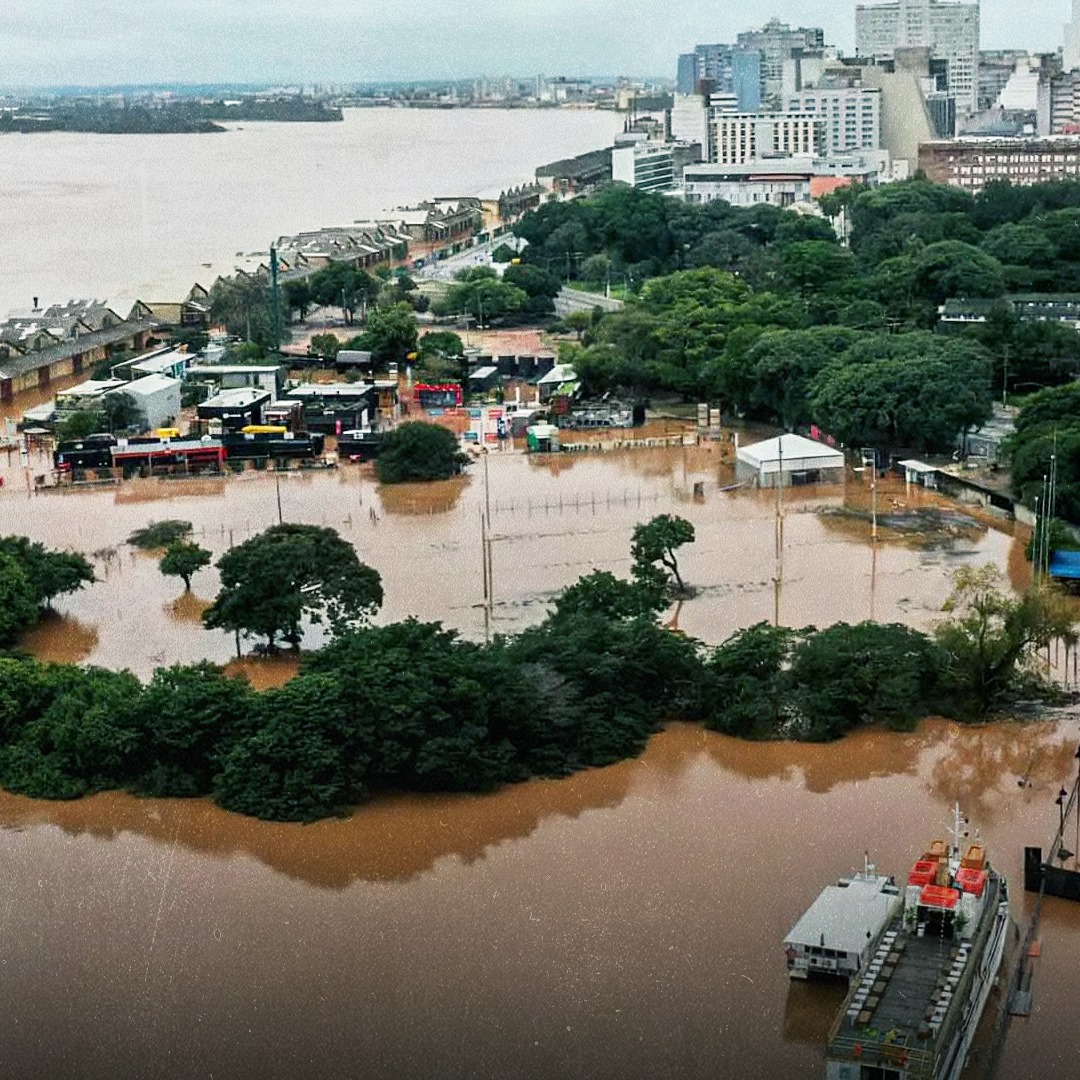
<point x="624" y="923"/>
<point x="129" y="217"/>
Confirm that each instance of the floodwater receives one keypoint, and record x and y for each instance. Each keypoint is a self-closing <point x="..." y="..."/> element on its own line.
<point x="144" y="216"/>
<point x="622" y="923"/>
<point x="554" y="518"/>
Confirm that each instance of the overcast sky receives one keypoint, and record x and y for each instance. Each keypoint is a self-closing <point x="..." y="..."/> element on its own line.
<point x="88" y="42"/>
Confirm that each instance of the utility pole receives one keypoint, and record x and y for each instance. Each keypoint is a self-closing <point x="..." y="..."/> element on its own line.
<point x="275" y="297"/>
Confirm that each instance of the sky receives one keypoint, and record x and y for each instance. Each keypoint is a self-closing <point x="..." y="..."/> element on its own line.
<point x="108" y="42"/>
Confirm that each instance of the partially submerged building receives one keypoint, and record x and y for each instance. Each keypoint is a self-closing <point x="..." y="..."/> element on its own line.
<point x="788" y="460"/>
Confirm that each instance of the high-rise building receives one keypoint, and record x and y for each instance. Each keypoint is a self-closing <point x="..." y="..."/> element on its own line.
<point x="1071" y="52"/>
<point x="850" y="114"/>
<point x="686" y="80"/>
<point x="744" y="137"/>
<point x="777" y="42"/>
<point x="727" y="69"/>
<point x="949" y="29"/>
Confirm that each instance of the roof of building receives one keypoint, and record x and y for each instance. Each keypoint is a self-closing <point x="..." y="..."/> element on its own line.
<point x="792" y="451"/>
<point x="159" y="362"/>
<point x="149" y="384"/>
<point x="560" y="373"/>
<point x="316" y="391"/>
<point x="241" y="397"/>
<point x="844" y="917"/>
<point x="15" y="366"/>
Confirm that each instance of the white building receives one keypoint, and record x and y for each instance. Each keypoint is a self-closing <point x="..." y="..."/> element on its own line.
<point x="649" y="166"/>
<point x="157" y="398"/>
<point x="781" y="182"/>
<point x="951" y="30"/>
<point x="1071" y="53"/>
<point x="792" y="458"/>
<point x="752" y="136"/>
<point x="850" y="116"/>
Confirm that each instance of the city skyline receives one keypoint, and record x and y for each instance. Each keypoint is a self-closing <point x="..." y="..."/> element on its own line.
<point x="110" y="42"/>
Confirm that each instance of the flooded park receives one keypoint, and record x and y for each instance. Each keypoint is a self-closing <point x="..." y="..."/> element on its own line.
<point x="623" y="922"/>
<point x="553" y="519"/>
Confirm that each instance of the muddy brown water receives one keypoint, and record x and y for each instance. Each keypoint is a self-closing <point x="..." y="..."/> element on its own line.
<point x="554" y="518"/>
<point x="625" y="922"/>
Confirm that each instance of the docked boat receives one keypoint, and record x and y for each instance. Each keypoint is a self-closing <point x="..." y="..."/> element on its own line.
<point x="840" y="930"/>
<point x="913" y="1012"/>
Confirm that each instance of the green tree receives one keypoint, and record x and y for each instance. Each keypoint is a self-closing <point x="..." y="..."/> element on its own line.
<point x="275" y="580"/>
<point x="18" y="605"/>
<point x="910" y="390"/>
<point x="194" y="714"/>
<point x="49" y="573"/>
<point x="846" y="676"/>
<point x="325" y="345"/>
<point x="183" y="559"/>
<point x="601" y="593"/>
<point x="655" y="541"/>
<point x="481" y="293"/>
<point x="340" y="285"/>
<point x="297" y="296"/>
<point x="746" y="685"/>
<point x="159" y="534"/>
<point x="418" y="451"/>
<point x="121" y="412"/>
<point x="989" y="640"/>
<point x="80" y="423"/>
<point x="390" y="335"/>
<point x="578" y="321"/>
<point x="241" y="305"/>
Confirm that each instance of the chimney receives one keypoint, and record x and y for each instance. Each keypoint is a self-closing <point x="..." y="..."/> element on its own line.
<point x="35" y="303"/>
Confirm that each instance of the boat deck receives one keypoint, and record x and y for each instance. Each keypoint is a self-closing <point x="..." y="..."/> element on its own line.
<point x="908" y="999"/>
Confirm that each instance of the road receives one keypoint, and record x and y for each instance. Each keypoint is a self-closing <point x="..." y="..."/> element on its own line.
<point x="446" y="269"/>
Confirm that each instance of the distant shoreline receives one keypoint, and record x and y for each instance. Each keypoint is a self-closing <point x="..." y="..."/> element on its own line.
<point x="180" y="118"/>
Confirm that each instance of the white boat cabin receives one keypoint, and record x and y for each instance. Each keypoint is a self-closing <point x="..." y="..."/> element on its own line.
<point x="838" y="932"/>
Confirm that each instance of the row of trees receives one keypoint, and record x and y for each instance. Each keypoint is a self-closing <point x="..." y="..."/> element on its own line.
<point x="410" y="706"/>
<point x="710" y="281"/>
<point x="707" y="334"/>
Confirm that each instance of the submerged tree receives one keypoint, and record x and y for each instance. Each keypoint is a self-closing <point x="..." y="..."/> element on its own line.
<point x="275" y="580"/>
<point x="419" y="451"/>
<point x="49" y="573"/>
<point x="654" y="542"/>
<point x="159" y="534"/>
<point x="182" y="559"/>
<point x="989" y="640"/>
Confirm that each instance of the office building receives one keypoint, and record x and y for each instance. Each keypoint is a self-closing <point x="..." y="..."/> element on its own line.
<point x="745" y="137"/>
<point x="850" y="113"/>
<point x="1070" y="55"/>
<point x="656" y="167"/>
<point x="949" y="29"/>
<point x="726" y="69"/>
<point x="973" y="163"/>
<point x="776" y="42"/>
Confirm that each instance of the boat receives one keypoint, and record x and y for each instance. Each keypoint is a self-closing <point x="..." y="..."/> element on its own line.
<point x="911" y="1015"/>
<point x="838" y="933"/>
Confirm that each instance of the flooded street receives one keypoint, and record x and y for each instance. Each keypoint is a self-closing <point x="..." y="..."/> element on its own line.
<point x="554" y="518"/>
<point x="622" y="923"/>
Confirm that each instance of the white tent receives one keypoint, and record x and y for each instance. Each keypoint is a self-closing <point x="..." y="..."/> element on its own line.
<point x="800" y="461"/>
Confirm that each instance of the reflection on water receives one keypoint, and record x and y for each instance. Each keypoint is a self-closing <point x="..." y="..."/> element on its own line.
<point x="60" y="639"/>
<point x="265" y="672"/>
<point x="187" y="607"/>
<point x="625" y="922"/>
<point x="435" y="497"/>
